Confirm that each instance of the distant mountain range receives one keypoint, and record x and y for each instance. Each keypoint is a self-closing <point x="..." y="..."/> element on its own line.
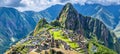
<point x="15" y="25"/>
<point x="70" y="32"/>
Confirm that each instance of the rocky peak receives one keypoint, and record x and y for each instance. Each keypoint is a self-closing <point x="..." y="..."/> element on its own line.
<point x="68" y="6"/>
<point x="40" y="24"/>
<point x="69" y="17"/>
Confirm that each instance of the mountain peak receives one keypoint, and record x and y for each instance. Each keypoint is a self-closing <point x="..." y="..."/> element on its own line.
<point x="67" y="13"/>
<point x="40" y="24"/>
<point x="68" y="5"/>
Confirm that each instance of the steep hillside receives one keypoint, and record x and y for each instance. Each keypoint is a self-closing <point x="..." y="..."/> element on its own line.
<point x="71" y="32"/>
<point x="12" y="25"/>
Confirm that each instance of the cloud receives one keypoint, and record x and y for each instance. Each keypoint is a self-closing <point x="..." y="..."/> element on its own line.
<point x="37" y="5"/>
<point x="104" y="2"/>
<point x="10" y="3"/>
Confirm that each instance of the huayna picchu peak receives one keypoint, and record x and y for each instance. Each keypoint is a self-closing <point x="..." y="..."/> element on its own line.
<point x="68" y="12"/>
<point x="70" y="33"/>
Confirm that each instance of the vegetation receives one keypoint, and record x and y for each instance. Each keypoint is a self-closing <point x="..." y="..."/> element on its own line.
<point x="58" y="36"/>
<point x="55" y="23"/>
<point x="40" y="25"/>
<point x="95" y="48"/>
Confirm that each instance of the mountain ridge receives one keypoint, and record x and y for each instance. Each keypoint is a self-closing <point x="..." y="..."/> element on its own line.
<point x="75" y="32"/>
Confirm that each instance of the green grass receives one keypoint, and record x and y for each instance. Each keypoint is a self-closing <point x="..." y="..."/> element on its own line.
<point x="58" y="36"/>
<point x="104" y="50"/>
<point x="101" y="49"/>
<point x="90" y="47"/>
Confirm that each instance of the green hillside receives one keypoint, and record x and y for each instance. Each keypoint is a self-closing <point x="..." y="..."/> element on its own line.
<point x="71" y="33"/>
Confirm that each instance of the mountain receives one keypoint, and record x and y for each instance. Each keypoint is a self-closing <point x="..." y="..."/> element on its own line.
<point x="86" y="26"/>
<point x="72" y="33"/>
<point x="36" y="16"/>
<point x="117" y="30"/>
<point x="109" y="15"/>
<point x="47" y="13"/>
<point x="12" y="25"/>
<point x="51" y="12"/>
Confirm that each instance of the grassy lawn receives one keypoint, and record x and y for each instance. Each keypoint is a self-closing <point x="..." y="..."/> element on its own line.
<point x="58" y="36"/>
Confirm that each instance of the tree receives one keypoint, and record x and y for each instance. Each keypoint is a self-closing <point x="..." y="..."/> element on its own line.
<point x="55" y="23"/>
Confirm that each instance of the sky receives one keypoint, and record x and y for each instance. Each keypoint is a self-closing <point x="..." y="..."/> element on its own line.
<point x="38" y="5"/>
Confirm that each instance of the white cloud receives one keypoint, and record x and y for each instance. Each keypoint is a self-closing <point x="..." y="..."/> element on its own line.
<point x="104" y="2"/>
<point x="10" y="3"/>
<point x="37" y="5"/>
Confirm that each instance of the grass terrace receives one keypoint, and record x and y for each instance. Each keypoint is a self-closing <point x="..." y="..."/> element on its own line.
<point x="58" y="35"/>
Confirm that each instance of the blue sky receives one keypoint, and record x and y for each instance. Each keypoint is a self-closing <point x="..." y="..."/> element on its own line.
<point x="38" y="5"/>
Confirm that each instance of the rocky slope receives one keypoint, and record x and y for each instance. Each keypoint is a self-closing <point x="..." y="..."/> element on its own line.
<point x="12" y="25"/>
<point x="70" y="32"/>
